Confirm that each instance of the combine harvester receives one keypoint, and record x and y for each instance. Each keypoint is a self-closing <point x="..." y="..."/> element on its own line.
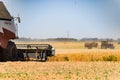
<point x="8" y="49"/>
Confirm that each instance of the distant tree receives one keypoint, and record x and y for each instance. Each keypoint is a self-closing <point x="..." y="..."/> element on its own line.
<point x="89" y="39"/>
<point x="62" y="39"/>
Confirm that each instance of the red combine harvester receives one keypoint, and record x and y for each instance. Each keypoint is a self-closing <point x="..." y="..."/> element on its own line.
<point x="9" y="51"/>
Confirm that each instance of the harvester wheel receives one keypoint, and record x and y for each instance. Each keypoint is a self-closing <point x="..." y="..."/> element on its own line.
<point x="1" y="54"/>
<point x="20" y="55"/>
<point x="11" y="51"/>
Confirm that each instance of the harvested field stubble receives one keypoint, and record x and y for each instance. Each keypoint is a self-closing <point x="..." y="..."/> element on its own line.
<point x="60" y="71"/>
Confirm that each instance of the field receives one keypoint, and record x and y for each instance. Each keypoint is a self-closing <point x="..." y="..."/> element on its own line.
<point x="60" y="71"/>
<point x="75" y="51"/>
<point x="71" y="62"/>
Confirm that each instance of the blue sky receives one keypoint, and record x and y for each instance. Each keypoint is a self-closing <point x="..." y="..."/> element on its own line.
<point x="55" y="18"/>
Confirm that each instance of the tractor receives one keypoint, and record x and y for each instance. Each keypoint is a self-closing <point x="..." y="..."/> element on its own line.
<point x="106" y="44"/>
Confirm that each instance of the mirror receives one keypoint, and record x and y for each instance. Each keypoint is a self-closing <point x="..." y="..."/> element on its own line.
<point x="19" y="19"/>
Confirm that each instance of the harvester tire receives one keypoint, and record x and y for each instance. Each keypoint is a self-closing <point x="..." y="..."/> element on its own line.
<point x="11" y="51"/>
<point x="20" y="55"/>
<point x="1" y="54"/>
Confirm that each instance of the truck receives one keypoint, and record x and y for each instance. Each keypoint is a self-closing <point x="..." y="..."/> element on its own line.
<point x="9" y="51"/>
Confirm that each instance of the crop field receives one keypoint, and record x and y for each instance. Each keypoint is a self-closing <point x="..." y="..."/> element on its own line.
<point x="75" y="51"/>
<point x="71" y="62"/>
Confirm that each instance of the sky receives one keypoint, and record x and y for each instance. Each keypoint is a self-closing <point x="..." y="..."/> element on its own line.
<point x="43" y="19"/>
